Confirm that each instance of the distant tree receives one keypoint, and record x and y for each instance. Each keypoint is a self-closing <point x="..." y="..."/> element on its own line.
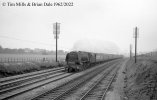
<point x="30" y="51"/>
<point x="21" y="51"/>
<point x="14" y="51"/>
<point x="61" y="52"/>
<point x="7" y="50"/>
<point x="44" y="52"/>
<point x="1" y="49"/>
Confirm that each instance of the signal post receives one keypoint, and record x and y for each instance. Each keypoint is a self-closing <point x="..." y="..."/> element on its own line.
<point x="56" y="32"/>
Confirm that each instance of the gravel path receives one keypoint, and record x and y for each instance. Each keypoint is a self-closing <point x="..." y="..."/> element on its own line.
<point x="116" y="93"/>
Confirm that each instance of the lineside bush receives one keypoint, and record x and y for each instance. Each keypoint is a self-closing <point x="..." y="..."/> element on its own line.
<point x="8" y="69"/>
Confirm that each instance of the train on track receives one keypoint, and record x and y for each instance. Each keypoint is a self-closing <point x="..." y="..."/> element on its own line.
<point x="80" y="60"/>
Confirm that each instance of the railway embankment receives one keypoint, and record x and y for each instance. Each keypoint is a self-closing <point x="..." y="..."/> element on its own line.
<point x="11" y="69"/>
<point x="135" y="81"/>
<point x="140" y="81"/>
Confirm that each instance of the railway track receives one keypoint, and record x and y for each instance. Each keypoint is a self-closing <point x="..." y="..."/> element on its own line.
<point x="16" y="77"/>
<point x="25" y="79"/>
<point x="100" y="88"/>
<point x="60" y="92"/>
<point x="16" y="87"/>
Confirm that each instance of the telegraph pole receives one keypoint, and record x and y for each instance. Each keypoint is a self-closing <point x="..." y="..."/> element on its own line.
<point x="136" y="35"/>
<point x="56" y="32"/>
<point x="130" y="51"/>
<point x="56" y="41"/>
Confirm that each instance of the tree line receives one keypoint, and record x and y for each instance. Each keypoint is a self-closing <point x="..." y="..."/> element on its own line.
<point x="30" y="51"/>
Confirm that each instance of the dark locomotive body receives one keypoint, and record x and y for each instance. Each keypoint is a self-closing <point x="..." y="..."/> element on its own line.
<point x="79" y="60"/>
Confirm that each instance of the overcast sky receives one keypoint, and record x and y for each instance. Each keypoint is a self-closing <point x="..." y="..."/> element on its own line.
<point x="100" y="20"/>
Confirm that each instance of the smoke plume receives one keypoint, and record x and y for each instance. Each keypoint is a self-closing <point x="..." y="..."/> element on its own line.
<point x="96" y="46"/>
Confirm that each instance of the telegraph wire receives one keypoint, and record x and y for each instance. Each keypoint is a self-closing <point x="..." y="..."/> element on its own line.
<point x="24" y="40"/>
<point x="35" y="42"/>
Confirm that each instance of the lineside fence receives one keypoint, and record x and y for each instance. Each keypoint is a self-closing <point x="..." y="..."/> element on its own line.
<point x="29" y="59"/>
<point x="15" y="60"/>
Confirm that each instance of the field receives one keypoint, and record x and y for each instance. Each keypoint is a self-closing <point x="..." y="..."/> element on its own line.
<point x="12" y="64"/>
<point x="5" y="58"/>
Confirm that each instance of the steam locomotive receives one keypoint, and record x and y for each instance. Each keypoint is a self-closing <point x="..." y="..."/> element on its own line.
<point x="80" y="60"/>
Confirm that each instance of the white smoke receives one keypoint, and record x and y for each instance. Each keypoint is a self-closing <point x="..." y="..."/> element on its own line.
<point x="97" y="46"/>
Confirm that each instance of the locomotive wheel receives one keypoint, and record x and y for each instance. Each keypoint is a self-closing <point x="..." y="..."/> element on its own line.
<point x="84" y="67"/>
<point x="70" y="70"/>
